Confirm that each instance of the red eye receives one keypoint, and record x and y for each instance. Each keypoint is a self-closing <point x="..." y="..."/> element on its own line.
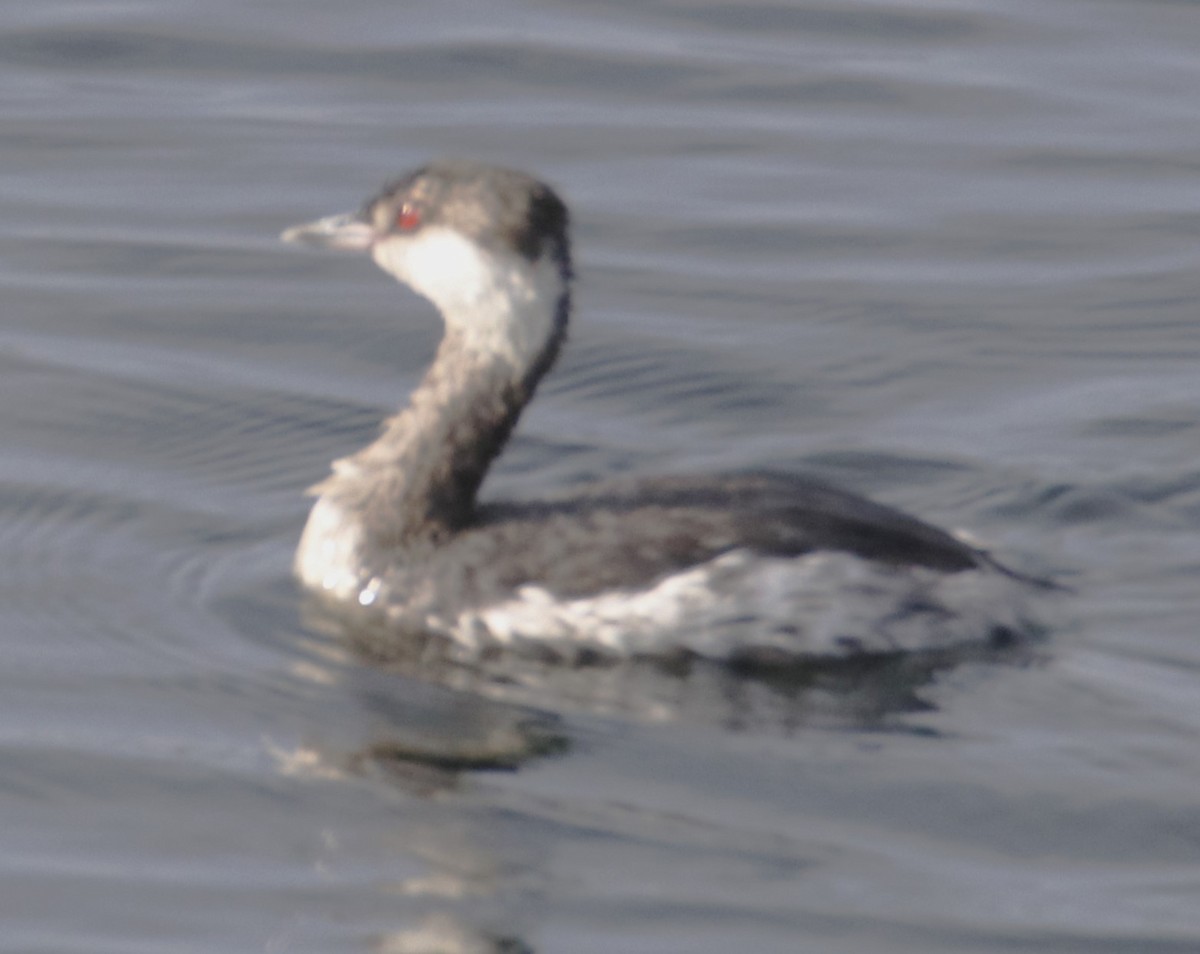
<point x="407" y="218"/>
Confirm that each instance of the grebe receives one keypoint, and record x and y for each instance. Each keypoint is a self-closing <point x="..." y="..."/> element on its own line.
<point x="714" y="565"/>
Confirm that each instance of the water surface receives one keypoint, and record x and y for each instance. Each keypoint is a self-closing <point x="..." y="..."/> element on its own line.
<point x="942" y="252"/>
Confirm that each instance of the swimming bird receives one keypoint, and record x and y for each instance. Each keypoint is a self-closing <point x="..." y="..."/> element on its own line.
<point x="781" y="565"/>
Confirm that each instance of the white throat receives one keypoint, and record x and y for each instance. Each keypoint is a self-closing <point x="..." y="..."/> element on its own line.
<point x="500" y="304"/>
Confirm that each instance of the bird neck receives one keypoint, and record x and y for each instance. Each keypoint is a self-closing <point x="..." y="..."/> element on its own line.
<point x="419" y="479"/>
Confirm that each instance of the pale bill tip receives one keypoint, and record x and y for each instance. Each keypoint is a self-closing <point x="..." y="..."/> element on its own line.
<point x="347" y="231"/>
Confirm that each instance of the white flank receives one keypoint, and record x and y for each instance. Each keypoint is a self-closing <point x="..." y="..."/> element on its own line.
<point x="828" y="604"/>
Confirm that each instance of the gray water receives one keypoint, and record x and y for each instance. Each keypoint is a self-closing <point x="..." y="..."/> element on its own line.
<point x="943" y="252"/>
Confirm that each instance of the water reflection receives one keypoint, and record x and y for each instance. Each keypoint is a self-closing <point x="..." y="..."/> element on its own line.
<point x="776" y="697"/>
<point x="454" y="871"/>
<point x="440" y="934"/>
<point x="430" y="725"/>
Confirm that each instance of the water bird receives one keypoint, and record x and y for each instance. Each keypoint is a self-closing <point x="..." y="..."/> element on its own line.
<point x="767" y="564"/>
